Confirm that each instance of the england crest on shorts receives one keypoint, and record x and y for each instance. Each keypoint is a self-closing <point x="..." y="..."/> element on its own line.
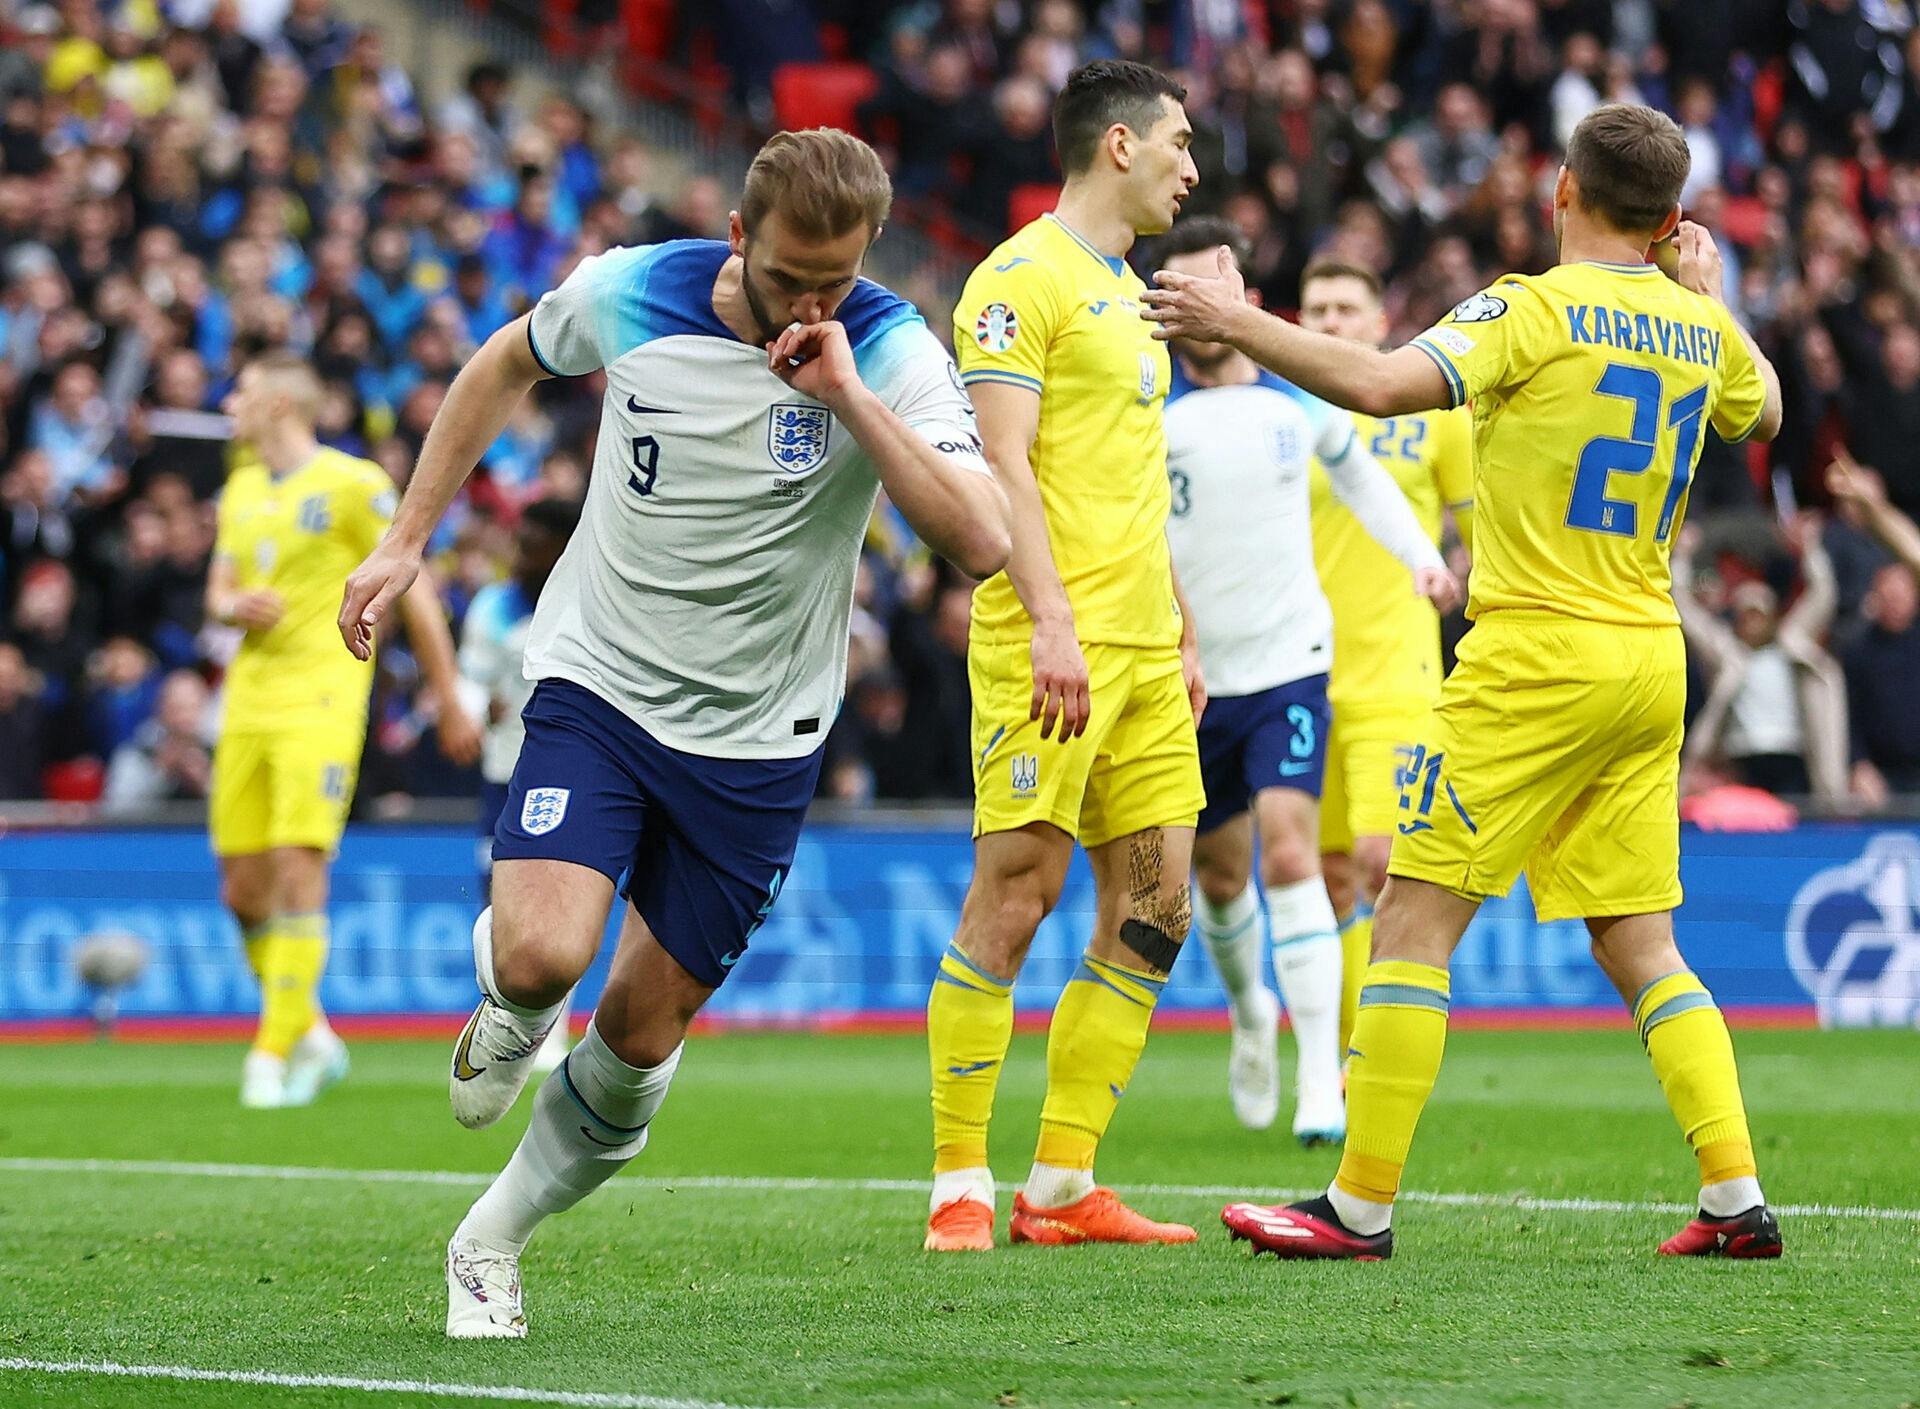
<point x="797" y="437"/>
<point x="543" y="810"/>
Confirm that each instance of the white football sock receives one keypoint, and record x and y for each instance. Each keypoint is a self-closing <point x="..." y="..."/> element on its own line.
<point x="976" y="1183"/>
<point x="532" y="1018"/>
<point x="1050" y="1186"/>
<point x="1362" y="1216"/>
<point x="1306" y="965"/>
<point x="589" y="1118"/>
<point x="1231" y="933"/>
<point x="1726" y="1197"/>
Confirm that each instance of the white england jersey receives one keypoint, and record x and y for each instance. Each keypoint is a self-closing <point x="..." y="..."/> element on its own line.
<point x="1241" y="524"/>
<point x="493" y="648"/>
<point x="707" y="591"/>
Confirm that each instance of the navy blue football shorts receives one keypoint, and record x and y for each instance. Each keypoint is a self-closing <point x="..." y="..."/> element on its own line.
<point x="705" y="842"/>
<point x="1274" y="739"/>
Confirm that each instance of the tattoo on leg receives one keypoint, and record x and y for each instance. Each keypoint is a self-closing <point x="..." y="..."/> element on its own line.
<point x="1159" y="921"/>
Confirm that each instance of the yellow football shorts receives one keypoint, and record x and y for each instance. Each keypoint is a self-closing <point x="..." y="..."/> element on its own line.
<point x="284" y="787"/>
<point x="1554" y="750"/>
<point x="1363" y="763"/>
<point x="1136" y="767"/>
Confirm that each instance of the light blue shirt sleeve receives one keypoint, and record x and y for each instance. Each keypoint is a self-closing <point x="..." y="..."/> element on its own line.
<point x="595" y="316"/>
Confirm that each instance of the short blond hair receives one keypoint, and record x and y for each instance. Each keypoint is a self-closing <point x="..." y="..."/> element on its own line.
<point x="294" y="378"/>
<point x="824" y="182"/>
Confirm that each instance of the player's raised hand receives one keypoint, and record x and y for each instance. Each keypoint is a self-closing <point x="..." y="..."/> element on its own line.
<point x="376" y="584"/>
<point x="1699" y="259"/>
<point x="815" y="359"/>
<point x="1853" y="484"/>
<point x="1060" y="684"/>
<point x="1199" y="309"/>
<point x="1438" y="586"/>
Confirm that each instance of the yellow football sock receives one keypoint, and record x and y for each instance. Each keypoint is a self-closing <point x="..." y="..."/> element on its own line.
<point x="1692" y="1054"/>
<point x="1399" y="1036"/>
<point x="1099" y="1028"/>
<point x="295" y="957"/>
<point x="1356" y="952"/>
<point x="969" y="1024"/>
<point x="254" y="937"/>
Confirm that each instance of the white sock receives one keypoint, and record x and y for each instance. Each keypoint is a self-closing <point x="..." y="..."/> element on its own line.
<point x="1050" y="1186"/>
<point x="589" y="1118"/>
<point x="1727" y="1197"/>
<point x="1306" y="965"/>
<point x="1362" y="1216"/>
<point x="1231" y="933"/>
<point x="533" y="1018"/>
<point x="975" y="1183"/>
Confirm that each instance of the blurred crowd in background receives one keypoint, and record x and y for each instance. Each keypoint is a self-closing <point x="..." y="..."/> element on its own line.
<point x="187" y="182"/>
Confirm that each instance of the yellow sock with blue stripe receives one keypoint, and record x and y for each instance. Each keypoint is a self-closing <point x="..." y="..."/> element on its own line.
<point x="294" y="957"/>
<point x="969" y="1024"/>
<point x="1692" y="1053"/>
<point x="1356" y="952"/>
<point x="1399" y="1036"/>
<point x="1098" y="1031"/>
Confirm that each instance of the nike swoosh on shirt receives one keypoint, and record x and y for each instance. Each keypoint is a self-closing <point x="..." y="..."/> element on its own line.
<point x="634" y="406"/>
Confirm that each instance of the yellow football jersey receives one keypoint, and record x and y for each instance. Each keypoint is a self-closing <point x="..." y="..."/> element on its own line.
<point x="300" y="535"/>
<point x="1049" y="312"/>
<point x="1386" y="639"/>
<point x="1591" y="385"/>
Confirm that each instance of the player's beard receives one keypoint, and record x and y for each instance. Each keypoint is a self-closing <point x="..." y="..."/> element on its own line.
<point x="758" y="310"/>
<point x="1205" y="357"/>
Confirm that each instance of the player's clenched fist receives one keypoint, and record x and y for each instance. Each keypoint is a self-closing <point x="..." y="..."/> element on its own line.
<point x="376" y="584"/>
<point x="1060" y="684"/>
<point x="815" y="359"/>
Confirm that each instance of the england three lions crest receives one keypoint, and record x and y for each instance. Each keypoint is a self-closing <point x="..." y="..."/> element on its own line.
<point x="543" y="809"/>
<point x="797" y="437"/>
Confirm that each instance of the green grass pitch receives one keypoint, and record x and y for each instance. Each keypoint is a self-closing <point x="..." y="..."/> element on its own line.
<point x="669" y="1287"/>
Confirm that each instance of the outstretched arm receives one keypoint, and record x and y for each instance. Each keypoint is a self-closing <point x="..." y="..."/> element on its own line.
<point x="1861" y="489"/>
<point x="1368" y="490"/>
<point x="1349" y="374"/>
<point x="477" y="407"/>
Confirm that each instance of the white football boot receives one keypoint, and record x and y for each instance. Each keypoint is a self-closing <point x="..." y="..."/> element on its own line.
<point x="483" y="1292"/>
<point x="263" y="1082"/>
<point x="1253" y="1069"/>
<point x="319" y="1060"/>
<point x="491" y="1063"/>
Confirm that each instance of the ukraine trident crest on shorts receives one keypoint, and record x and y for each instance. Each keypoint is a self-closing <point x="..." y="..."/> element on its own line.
<point x="797" y="437"/>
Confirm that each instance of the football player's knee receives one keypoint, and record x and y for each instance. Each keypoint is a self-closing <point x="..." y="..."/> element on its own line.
<point x="535" y="972"/>
<point x="1220" y="885"/>
<point x="1287" y="859"/>
<point x="250" y="900"/>
<point x="1372" y="856"/>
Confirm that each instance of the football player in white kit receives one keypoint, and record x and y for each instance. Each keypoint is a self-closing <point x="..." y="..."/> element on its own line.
<point x="1240" y="443"/>
<point x="690" y="649"/>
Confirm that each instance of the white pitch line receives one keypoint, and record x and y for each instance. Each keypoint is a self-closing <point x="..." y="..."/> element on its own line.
<point x="773" y="1183"/>
<point x="519" y="1394"/>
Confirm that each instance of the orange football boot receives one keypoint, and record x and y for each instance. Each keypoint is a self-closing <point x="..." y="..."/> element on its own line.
<point x="1098" y="1218"/>
<point x="960" y="1225"/>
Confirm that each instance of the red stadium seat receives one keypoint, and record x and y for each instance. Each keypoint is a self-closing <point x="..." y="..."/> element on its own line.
<point x="77" y="780"/>
<point x="1028" y="203"/>
<point x="821" y="95"/>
